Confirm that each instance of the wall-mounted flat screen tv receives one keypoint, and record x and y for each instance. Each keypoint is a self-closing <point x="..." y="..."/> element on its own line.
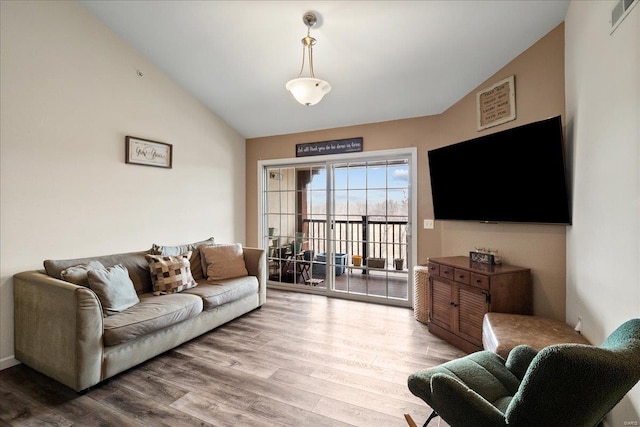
<point x="517" y="175"/>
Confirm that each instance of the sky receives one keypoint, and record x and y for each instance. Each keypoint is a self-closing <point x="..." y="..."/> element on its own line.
<point x="364" y="189"/>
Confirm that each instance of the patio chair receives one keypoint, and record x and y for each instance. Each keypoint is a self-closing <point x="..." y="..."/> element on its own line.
<point x="561" y="385"/>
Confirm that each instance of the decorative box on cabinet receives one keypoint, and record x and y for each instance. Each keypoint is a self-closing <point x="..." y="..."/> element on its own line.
<point x="461" y="292"/>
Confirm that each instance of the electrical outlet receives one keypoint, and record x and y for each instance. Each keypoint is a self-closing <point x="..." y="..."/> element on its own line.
<point x="428" y="224"/>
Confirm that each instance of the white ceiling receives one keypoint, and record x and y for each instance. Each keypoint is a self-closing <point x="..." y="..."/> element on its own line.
<point x="386" y="60"/>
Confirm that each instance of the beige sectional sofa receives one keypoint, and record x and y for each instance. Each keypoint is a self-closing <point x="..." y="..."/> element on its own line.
<point x="63" y="330"/>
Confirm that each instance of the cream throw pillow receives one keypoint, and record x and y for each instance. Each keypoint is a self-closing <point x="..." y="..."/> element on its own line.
<point x="224" y="261"/>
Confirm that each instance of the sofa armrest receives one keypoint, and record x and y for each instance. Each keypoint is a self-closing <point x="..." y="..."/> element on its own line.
<point x="58" y="328"/>
<point x="255" y="260"/>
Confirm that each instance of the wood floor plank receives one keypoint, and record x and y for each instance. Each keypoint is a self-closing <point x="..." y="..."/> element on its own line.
<point x="216" y="411"/>
<point x="20" y="410"/>
<point x="260" y="386"/>
<point x="228" y="360"/>
<point x="302" y="360"/>
<point x="143" y="410"/>
<point x="253" y="353"/>
<point x="326" y="359"/>
<point x="259" y="411"/>
<point x="357" y="415"/>
<point x="362" y="382"/>
<point x="366" y="399"/>
<point x="152" y="385"/>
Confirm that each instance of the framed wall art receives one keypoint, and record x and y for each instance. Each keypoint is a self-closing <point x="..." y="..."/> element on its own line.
<point x="145" y="152"/>
<point x="496" y="104"/>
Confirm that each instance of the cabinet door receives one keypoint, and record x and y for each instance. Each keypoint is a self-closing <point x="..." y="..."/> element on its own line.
<point x="441" y="303"/>
<point x="472" y="306"/>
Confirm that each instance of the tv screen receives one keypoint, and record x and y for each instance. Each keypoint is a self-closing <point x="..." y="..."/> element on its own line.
<point x="517" y="175"/>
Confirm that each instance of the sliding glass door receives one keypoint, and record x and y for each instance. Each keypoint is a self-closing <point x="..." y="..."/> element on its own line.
<point x="295" y="221"/>
<point x="340" y="227"/>
<point x="370" y="216"/>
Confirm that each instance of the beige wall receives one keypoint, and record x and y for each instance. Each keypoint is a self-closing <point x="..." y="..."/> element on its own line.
<point x="69" y="94"/>
<point x="603" y="127"/>
<point x="539" y="75"/>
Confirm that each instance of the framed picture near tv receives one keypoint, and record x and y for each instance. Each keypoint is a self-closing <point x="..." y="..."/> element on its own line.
<point x="517" y="175"/>
<point x="496" y="104"/>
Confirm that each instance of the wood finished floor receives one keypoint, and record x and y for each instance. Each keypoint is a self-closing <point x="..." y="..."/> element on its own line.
<point x="302" y="360"/>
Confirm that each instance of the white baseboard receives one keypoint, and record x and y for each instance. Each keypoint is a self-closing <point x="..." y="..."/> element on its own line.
<point x="8" y="362"/>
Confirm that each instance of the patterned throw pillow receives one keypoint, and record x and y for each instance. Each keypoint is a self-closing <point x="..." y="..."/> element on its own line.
<point x="224" y="261"/>
<point x="196" y="269"/>
<point x="170" y="274"/>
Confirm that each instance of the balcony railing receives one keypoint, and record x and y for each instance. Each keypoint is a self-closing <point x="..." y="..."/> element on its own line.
<point x="369" y="237"/>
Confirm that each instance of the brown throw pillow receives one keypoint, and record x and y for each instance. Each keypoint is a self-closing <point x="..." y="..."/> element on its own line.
<point x="170" y="274"/>
<point x="224" y="261"/>
<point x="114" y="288"/>
<point x="203" y="260"/>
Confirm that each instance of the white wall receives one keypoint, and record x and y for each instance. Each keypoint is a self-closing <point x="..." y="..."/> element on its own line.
<point x="69" y="95"/>
<point x="603" y="127"/>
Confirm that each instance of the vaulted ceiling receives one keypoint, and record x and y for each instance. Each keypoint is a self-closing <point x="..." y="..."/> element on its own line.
<point x="385" y="60"/>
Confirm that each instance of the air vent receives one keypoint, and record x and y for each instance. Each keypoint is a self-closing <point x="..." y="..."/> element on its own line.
<point x="620" y="11"/>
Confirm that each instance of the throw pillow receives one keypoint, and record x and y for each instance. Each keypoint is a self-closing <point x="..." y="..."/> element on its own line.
<point x="170" y="274"/>
<point x="78" y="273"/>
<point x="203" y="259"/>
<point x="114" y="288"/>
<point x="196" y="263"/>
<point x="224" y="261"/>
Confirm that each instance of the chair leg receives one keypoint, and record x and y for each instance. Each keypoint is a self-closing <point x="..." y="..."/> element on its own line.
<point x="432" y="416"/>
<point x="412" y="423"/>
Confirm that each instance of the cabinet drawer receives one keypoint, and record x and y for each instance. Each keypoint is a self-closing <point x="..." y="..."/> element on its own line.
<point x="446" y="272"/>
<point x="480" y="281"/>
<point x="461" y="276"/>
<point x="434" y="269"/>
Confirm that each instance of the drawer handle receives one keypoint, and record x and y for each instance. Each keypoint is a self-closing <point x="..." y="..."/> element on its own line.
<point x="478" y="280"/>
<point x="461" y="276"/>
<point x="453" y="304"/>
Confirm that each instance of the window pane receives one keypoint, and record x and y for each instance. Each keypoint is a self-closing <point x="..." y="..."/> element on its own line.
<point x="398" y="176"/>
<point x="377" y="176"/>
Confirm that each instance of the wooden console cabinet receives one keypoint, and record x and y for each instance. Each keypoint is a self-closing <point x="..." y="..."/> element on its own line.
<point x="461" y="292"/>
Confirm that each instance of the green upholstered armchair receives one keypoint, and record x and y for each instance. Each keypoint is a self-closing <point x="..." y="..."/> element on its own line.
<point x="561" y="385"/>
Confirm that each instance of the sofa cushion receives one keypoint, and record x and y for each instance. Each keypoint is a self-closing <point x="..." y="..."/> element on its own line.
<point x="78" y="273"/>
<point x="196" y="263"/>
<point x="135" y="262"/>
<point x="224" y="291"/>
<point x="114" y="288"/>
<point x="224" y="261"/>
<point x="170" y="274"/>
<point x="151" y="314"/>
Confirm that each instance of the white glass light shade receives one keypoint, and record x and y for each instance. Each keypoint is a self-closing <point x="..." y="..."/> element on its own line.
<point x="307" y="90"/>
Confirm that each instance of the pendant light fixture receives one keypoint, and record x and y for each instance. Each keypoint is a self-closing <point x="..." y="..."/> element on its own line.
<point x="308" y="90"/>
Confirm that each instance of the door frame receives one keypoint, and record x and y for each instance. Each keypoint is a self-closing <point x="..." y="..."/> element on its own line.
<point x="410" y="152"/>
